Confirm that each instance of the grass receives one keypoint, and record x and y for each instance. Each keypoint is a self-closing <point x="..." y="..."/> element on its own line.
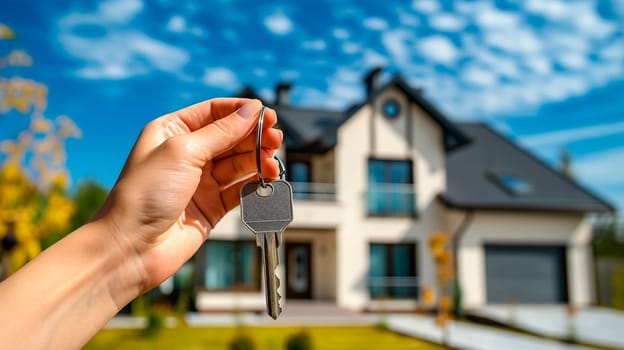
<point x="265" y="338"/>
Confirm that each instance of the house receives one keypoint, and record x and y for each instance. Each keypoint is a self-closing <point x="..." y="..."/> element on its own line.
<point x="373" y="182"/>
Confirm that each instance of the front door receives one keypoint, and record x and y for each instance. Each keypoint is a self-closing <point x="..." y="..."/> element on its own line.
<point x="298" y="271"/>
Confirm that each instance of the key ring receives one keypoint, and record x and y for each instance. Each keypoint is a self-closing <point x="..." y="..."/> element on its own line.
<point x="282" y="170"/>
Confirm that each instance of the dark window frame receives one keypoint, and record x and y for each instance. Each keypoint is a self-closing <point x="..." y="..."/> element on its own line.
<point x="411" y="211"/>
<point x="238" y="286"/>
<point x="391" y="291"/>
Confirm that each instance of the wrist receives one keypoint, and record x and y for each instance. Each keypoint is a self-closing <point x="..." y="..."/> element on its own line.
<point x="125" y="274"/>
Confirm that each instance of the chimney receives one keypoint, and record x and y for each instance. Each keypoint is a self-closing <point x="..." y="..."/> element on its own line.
<point x="282" y="93"/>
<point x="373" y="80"/>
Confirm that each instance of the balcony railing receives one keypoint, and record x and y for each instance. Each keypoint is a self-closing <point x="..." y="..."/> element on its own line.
<point x="314" y="191"/>
<point x="386" y="287"/>
<point x="391" y="199"/>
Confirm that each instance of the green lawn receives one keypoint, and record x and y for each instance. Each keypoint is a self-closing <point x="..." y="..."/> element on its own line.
<point x="268" y="338"/>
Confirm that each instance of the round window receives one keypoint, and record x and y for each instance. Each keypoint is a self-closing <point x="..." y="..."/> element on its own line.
<point x="391" y="108"/>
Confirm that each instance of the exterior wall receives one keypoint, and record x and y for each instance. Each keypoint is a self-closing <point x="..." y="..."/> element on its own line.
<point x="323" y="168"/>
<point x="417" y="138"/>
<point x="570" y="230"/>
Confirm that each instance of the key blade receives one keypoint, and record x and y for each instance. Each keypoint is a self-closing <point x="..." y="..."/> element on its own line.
<point x="270" y="257"/>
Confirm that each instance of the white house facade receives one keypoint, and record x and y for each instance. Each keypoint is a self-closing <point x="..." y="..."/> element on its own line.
<point x="374" y="182"/>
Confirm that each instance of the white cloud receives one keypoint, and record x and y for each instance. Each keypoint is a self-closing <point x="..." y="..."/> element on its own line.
<point x="117" y="52"/>
<point x="346" y="92"/>
<point x="592" y="24"/>
<point x="289" y="74"/>
<point x="518" y="40"/>
<point x="580" y="14"/>
<point x="602" y="168"/>
<point x="340" y="33"/>
<point x="351" y="48"/>
<point x="614" y="51"/>
<point x="447" y="22"/>
<point x="439" y="49"/>
<point x="479" y="76"/>
<point x="375" y="23"/>
<point x="503" y="65"/>
<point x="176" y="24"/>
<point x="426" y="6"/>
<point x="119" y="10"/>
<point x="348" y="74"/>
<point x="278" y="23"/>
<point x="123" y="54"/>
<point x="539" y="64"/>
<point x="572" y="60"/>
<point x="315" y="45"/>
<point x="396" y="43"/>
<point x="407" y="19"/>
<point x="372" y="58"/>
<point x="554" y="10"/>
<point x="491" y="17"/>
<point x="566" y="136"/>
<point x="221" y="77"/>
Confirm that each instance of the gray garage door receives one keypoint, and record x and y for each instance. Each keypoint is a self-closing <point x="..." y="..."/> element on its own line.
<point x="525" y="274"/>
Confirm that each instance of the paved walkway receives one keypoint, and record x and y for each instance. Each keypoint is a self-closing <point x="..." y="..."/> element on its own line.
<point x="594" y="325"/>
<point x="464" y="335"/>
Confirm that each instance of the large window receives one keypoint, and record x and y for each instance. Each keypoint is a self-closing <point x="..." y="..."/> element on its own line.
<point x="391" y="187"/>
<point x="299" y="175"/>
<point x="392" y="271"/>
<point x="232" y="265"/>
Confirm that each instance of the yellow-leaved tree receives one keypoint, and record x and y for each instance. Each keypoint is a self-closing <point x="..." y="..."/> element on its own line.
<point x="33" y="177"/>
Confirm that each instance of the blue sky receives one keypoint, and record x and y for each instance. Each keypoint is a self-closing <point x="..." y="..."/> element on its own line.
<point x="547" y="73"/>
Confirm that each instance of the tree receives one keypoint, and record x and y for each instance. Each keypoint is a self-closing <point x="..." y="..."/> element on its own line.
<point x="88" y="198"/>
<point x="565" y="163"/>
<point x="33" y="177"/>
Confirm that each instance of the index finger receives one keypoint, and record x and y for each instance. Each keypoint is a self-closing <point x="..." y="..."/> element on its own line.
<point x="203" y="113"/>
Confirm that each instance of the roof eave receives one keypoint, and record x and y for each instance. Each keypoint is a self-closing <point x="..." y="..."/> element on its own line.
<point x="507" y="207"/>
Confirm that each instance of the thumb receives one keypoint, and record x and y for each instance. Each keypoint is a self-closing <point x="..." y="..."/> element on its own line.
<point x="225" y="133"/>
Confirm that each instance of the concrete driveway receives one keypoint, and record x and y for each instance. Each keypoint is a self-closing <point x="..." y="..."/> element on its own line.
<point x="464" y="335"/>
<point x="593" y="325"/>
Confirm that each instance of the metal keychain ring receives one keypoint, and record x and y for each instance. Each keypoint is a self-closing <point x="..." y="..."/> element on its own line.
<point x="259" y="147"/>
<point x="280" y="164"/>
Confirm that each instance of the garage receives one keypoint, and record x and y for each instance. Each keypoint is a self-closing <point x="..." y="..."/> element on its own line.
<point x="528" y="274"/>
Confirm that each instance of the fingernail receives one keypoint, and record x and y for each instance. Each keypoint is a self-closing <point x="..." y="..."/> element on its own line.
<point x="248" y="110"/>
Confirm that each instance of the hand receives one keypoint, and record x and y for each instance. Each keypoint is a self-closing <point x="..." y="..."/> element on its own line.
<point x="182" y="176"/>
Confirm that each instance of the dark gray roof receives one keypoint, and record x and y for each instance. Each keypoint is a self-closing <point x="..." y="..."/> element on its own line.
<point x="309" y="130"/>
<point x="314" y="130"/>
<point x="472" y="172"/>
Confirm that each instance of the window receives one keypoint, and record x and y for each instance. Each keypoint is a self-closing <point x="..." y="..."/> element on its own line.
<point x="513" y="184"/>
<point x="391" y="189"/>
<point x="391" y="108"/>
<point x="392" y="271"/>
<point x="299" y="175"/>
<point x="232" y="265"/>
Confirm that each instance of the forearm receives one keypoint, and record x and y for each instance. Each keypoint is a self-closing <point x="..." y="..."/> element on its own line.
<point x="64" y="296"/>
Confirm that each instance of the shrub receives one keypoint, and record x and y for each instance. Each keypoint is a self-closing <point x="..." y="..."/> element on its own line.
<point x="242" y="342"/>
<point x="299" y="341"/>
<point x="155" y="323"/>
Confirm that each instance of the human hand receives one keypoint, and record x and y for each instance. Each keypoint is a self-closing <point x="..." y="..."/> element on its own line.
<point x="182" y="176"/>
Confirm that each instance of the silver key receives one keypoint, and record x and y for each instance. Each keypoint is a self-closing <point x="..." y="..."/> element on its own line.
<point x="266" y="211"/>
